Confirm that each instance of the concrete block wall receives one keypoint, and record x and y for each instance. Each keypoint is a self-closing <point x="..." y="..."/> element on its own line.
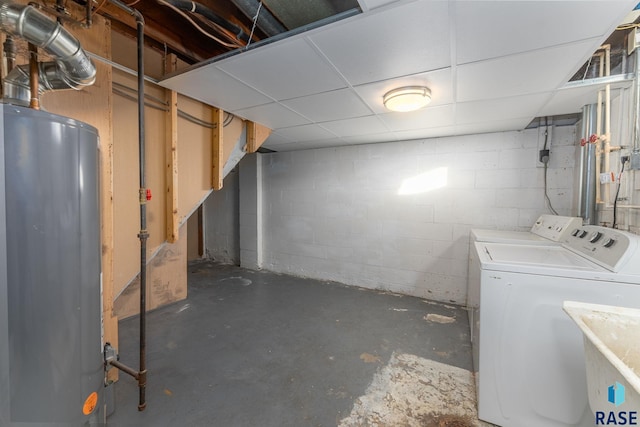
<point x="336" y="213"/>
<point x="222" y="223"/>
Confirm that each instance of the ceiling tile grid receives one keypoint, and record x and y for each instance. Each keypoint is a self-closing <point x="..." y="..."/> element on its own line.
<point x="511" y="60"/>
<point x="283" y="70"/>
<point x="333" y="105"/>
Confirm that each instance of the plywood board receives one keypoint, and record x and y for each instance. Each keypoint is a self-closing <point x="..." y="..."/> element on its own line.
<point x="166" y="279"/>
<point x="194" y="157"/>
<point x="232" y="134"/>
<point x="126" y="179"/>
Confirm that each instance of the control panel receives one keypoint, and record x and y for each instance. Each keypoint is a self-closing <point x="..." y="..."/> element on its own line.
<point x="613" y="249"/>
<point x="555" y="228"/>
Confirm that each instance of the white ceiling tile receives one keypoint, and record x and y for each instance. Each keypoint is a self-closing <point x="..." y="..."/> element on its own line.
<point x="326" y="106"/>
<point x="286" y="69"/>
<point x="305" y="133"/>
<point x="428" y="117"/>
<point x="357" y="126"/>
<point x="407" y="39"/>
<point x="215" y="87"/>
<point x="330" y="80"/>
<point x="500" y="109"/>
<point x="439" y="82"/>
<point x="567" y="101"/>
<point x="532" y="72"/>
<point x="272" y="115"/>
<point x="275" y="138"/>
<point x="490" y="29"/>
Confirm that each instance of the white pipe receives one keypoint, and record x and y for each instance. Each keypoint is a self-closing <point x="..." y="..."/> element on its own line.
<point x="599" y="128"/>
<point x="607" y="121"/>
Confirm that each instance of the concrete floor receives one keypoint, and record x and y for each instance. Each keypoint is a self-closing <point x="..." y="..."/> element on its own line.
<point x="251" y="348"/>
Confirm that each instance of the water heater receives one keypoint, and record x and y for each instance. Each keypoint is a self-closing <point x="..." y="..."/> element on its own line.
<point x="51" y="357"/>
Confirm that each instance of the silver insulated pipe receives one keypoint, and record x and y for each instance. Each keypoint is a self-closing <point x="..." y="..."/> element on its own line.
<point x="71" y="68"/>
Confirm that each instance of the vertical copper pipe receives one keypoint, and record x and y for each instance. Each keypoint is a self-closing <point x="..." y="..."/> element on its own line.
<point x="34" y="77"/>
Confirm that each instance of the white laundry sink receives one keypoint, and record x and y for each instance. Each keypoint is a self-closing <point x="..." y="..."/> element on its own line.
<point x="612" y="356"/>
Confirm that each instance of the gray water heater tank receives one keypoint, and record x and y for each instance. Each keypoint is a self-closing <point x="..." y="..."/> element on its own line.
<point x="51" y="360"/>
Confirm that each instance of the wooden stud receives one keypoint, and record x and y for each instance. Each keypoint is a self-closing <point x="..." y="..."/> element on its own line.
<point x="171" y="157"/>
<point x="217" y="157"/>
<point x="256" y="136"/>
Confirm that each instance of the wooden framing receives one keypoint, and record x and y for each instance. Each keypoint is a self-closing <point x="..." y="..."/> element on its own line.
<point x="256" y="135"/>
<point x="171" y="157"/>
<point x="217" y="149"/>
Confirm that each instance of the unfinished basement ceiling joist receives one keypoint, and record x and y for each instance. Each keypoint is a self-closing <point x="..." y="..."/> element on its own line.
<point x="204" y="29"/>
<point x="491" y="66"/>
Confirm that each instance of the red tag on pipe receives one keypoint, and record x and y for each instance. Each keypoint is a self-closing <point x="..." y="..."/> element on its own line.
<point x="148" y="194"/>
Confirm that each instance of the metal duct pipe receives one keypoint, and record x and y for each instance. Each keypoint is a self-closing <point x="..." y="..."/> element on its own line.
<point x="588" y="178"/>
<point x="73" y="68"/>
<point x="266" y="21"/>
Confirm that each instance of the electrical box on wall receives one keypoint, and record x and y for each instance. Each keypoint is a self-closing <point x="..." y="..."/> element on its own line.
<point x="634" y="161"/>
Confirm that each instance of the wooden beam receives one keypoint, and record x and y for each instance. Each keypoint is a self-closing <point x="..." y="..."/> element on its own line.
<point x="217" y="145"/>
<point x="171" y="157"/>
<point x="256" y="136"/>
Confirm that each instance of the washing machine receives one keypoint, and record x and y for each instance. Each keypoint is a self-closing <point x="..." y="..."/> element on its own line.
<point x="528" y="356"/>
<point x="547" y="230"/>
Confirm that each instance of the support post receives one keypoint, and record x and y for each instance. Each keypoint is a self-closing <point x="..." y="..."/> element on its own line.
<point x="171" y="157"/>
<point x="217" y="146"/>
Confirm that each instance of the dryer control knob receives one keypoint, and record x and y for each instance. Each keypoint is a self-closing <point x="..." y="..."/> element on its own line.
<point x="595" y="237"/>
<point x="582" y="234"/>
<point x="575" y="232"/>
<point x="609" y="242"/>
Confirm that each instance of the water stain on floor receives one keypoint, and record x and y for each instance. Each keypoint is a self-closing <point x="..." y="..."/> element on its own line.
<point x="369" y="358"/>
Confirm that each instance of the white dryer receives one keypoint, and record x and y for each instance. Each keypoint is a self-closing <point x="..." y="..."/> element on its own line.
<point x="527" y="354"/>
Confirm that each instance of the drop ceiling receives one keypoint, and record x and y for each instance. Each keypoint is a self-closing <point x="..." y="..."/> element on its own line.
<point x="491" y="66"/>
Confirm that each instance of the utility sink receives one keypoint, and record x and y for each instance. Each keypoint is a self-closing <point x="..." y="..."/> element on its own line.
<point x="612" y="355"/>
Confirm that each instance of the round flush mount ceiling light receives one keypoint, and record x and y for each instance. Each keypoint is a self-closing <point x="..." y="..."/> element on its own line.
<point x="408" y="98"/>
